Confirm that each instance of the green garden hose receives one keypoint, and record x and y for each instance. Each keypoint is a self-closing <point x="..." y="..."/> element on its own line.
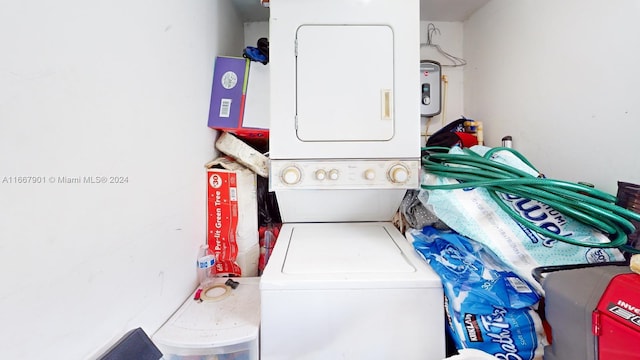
<point x="588" y="205"/>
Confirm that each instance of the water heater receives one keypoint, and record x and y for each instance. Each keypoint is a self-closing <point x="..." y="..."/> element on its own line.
<point x="430" y="88"/>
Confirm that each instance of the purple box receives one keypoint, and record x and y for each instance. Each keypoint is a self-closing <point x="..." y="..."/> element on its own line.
<point x="229" y="98"/>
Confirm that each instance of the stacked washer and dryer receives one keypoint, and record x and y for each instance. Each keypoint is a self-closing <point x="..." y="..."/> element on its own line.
<point x="342" y="281"/>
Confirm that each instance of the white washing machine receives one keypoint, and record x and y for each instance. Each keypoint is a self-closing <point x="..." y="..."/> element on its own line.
<point x="342" y="281"/>
<point x="349" y="291"/>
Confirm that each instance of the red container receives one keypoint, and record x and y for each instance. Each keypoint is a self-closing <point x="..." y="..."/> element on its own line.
<point x="616" y="319"/>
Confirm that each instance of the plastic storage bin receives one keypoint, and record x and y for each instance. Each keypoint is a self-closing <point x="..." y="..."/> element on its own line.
<point x="223" y="326"/>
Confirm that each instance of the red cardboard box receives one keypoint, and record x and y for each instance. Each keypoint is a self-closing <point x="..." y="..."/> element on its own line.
<point x="616" y="320"/>
<point x="232" y="218"/>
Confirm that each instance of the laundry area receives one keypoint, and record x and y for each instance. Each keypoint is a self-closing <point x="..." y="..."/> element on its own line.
<point x="335" y="179"/>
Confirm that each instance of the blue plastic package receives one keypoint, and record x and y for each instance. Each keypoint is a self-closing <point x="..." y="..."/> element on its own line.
<point x="489" y="307"/>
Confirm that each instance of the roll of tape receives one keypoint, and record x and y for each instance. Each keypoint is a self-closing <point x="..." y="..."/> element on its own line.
<point x="205" y="292"/>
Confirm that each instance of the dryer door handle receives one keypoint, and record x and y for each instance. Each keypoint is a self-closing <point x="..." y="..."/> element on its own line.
<point x="387" y="101"/>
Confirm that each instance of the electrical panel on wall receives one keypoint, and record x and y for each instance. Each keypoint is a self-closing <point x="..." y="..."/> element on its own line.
<point x="430" y="87"/>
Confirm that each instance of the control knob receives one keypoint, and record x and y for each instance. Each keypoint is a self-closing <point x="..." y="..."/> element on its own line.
<point x="291" y="175"/>
<point x="398" y="174"/>
<point x="369" y="174"/>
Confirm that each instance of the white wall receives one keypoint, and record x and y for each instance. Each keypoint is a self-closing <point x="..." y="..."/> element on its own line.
<point x="114" y="88"/>
<point x="560" y="77"/>
<point x="255" y="30"/>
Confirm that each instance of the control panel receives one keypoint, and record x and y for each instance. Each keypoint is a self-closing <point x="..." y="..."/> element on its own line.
<point x="344" y="174"/>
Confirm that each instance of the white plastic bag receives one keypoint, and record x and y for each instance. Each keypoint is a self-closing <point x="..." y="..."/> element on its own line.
<point x="472" y="212"/>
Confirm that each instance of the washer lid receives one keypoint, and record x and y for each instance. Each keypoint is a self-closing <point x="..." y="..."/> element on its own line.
<point x="372" y="255"/>
<point x="344" y="248"/>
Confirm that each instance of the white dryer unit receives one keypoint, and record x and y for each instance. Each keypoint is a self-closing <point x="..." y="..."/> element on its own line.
<point x="342" y="281"/>
<point x="343" y="79"/>
<point x="344" y="91"/>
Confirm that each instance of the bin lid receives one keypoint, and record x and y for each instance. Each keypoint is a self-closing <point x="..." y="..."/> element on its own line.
<point x="224" y="317"/>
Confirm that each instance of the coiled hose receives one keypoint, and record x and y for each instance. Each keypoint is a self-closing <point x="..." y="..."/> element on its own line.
<point x="588" y="205"/>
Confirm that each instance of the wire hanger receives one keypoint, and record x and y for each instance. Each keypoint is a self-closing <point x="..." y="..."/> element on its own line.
<point x="433" y="30"/>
